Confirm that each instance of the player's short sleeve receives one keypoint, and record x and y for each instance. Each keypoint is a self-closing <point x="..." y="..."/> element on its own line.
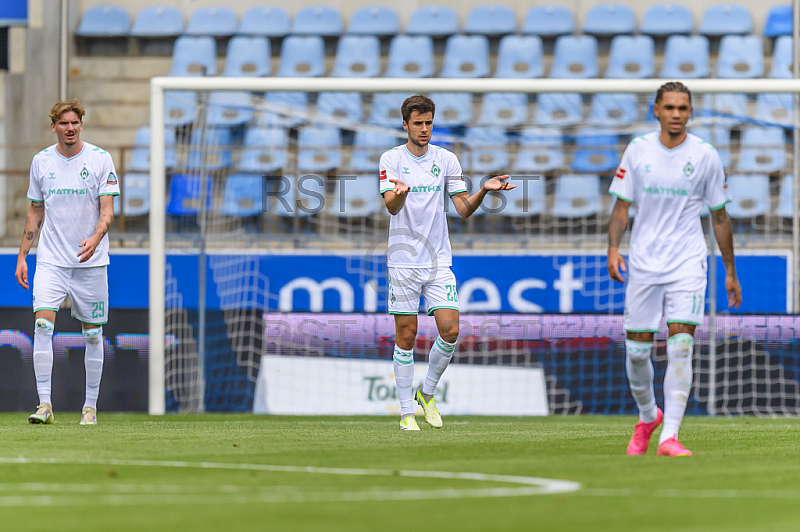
<point x="388" y="169"/>
<point x="454" y="176"/>
<point x="109" y="182"/>
<point x="717" y="193"/>
<point x="34" y="185"/>
<point x="622" y="185"/>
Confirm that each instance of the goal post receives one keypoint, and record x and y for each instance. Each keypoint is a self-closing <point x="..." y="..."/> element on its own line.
<point x="643" y="88"/>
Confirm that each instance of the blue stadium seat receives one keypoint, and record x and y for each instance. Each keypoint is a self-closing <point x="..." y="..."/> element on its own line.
<point x="763" y="150"/>
<point x="549" y="21"/>
<point x="494" y="20"/>
<point x="466" y="56"/>
<point x="779" y="21"/>
<point x="292" y="103"/>
<point x="728" y="109"/>
<point x="435" y="21"/>
<point x="726" y="19"/>
<point x="631" y="57"/>
<point x="775" y="108"/>
<point x="609" y="19"/>
<point x="243" y="195"/>
<point x="180" y="108"/>
<point x="375" y="20"/>
<point x="213" y="21"/>
<point x="302" y="57"/>
<point x="575" y="57"/>
<point x="386" y="109"/>
<point x="527" y="199"/>
<point x="355" y="198"/>
<point x="613" y="109"/>
<point x="104" y="21"/>
<point x="158" y="21"/>
<point x="749" y="195"/>
<point x="357" y="56"/>
<point x="719" y="137"/>
<point x="785" y="200"/>
<point x="782" y="56"/>
<point x="340" y="105"/>
<point x="558" y="109"/>
<point x="214" y="154"/>
<point x="685" y="57"/>
<point x="135" y="195"/>
<point x="453" y="109"/>
<point x="265" y="22"/>
<point x="319" y="21"/>
<point x="306" y="190"/>
<point x="663" y="20"/>
<point x="185" y="197"/>
<point x="140" y="159"/>
<point x="194" y="56"/>
<point x="519" y="57"/>
<point x="595" y="150"/>
<point x="410" y="57"/>
<point x="319" y="149"/>
<point x="264" y="150"/>
<point x="540" y="150"/>
<point x="368" y="148"/>
<point x="740" y="57"/>
<point x="248" y="57"/>
<point x="506" y="109"/>
<point x="487" y="149"/>
<point x="577" y="196"/>
<point x="230" y="108"/>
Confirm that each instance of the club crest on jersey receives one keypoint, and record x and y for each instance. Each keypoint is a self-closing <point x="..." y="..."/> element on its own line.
<point x="620" y="173"/>
<point x="112" y="179"/>
<point x="688" y="170"/>
<point x="435" y="170"/>
<point x="84" y="173"/>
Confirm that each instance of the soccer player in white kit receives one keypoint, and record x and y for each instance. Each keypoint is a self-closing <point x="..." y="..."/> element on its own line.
<point x="668" y="175"/>
<point x="74" y="183"/>
<point x="414" y="179"/>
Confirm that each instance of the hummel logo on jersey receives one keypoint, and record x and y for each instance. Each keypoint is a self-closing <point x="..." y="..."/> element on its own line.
<point x="435" y="170"/>
<point x="52" y="175"/>
<point x="647" y="168"/>
<point x="112" y="179"/>
<point x="620" y="173"/>
<point x="405" y="170"/>
<point x="688" y="169"/>
<point x="84" y="173"/>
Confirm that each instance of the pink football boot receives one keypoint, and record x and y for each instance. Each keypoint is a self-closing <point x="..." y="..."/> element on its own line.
<point x="673" y="447"/>
<point x="641" y="434"/>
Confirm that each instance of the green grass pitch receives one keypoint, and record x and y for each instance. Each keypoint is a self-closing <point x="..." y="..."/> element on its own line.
<point x="249" y="473"/>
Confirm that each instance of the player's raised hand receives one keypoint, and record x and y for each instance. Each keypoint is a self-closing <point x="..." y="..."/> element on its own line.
<point x="399" y="186"/>
<point x="734" y="291"/>
<point x="498" y="183"/>
<point x="615" y="264"/>
<point x="22" y="273"/>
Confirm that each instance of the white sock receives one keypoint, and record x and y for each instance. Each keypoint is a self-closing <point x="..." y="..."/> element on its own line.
<point x="677" y="383"/>
<point x="93" y="361"/>
<point x="440" y="357"/>
<point x="43" y="358"/>
<point x="639" y="366"/>
<point x="404" y="379"/>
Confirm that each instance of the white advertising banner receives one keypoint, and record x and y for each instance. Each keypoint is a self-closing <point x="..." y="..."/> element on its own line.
<point x="297" y="385"/>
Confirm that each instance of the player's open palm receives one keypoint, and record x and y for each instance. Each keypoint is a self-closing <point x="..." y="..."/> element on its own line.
<point x="399" y="186"/>
<point x="734" y="291"/>
<point x="498" y="183"/>
<point x="616" y="264"/>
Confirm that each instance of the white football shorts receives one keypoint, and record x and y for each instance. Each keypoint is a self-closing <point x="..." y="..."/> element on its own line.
<point x="87" y="289"/>
<point x="680" y="302"/>
<point x="436" y="285"/>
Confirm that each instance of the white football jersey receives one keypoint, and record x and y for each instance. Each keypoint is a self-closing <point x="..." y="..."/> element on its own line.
<point x="70" y="189"/>
<point x="669" y="187"/>
<point x="418" y="235"/>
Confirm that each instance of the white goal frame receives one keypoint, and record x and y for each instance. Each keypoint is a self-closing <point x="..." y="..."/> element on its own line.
<point x="159" y="85"/>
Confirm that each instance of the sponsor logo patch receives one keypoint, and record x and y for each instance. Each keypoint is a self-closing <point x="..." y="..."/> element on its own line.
<point x="383" y="174"/>
<point x="620" y="173"/>
<point x="112" y="179"/>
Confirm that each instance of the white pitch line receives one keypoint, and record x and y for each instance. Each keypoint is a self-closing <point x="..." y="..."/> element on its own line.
<point x="690" y="493"/>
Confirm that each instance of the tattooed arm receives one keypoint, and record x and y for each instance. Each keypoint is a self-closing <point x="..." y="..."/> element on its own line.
<point x="33" y="224"/>
<point x="103" y="223"/>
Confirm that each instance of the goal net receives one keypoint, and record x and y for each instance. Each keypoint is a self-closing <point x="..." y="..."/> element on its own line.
<point x="268" y="286"/>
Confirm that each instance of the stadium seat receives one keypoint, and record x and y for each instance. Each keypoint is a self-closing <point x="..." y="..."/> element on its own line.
<point x="340" y="105"/>
<point x="357" y="56"/>
<point x="549" y="21"/>
<point x="248" y="57"/>
<point x="368" y="148"/>
<point x="180" y="108"/>
<point x="158" y="21"/>
<point x="493" y="20"/>
<point x="230" y="108"/>
<point x="726" y="19"/>
<point x="558" y="109"/>
<point x="595" y="150"/>
<point x="506" y="109"/>
<point x="386" y="109"/>
<point x="613" y="109"/>
<point x="184" y="197"/>
<point x="749" y="195"/>
<point x="297" y="196"/>
<point x="264" y="150"/>
<point x="577" y="196"/>
<point x="519" y="57"/>
<point x="763" y="150"/>
<point x="663" y="20"/>
<point x="302" y="57"/>
<point x="527" y="199"/>
<point x="319" y="149"/>
<point x="740" y="57"/>
<point x="727" y="108"/>
<point x="575" y="57"/>
<point x="355" y="197"/>
<point x="104" y="21"/>
<point x="540" y="150"/>
<point x="213" y="21"/>
<point x="466" y="56"/>
<point x="785" y="200"/>
<point x="720" y="138"/>
<point x="210" y="149"/>
<point x="453" y="109"/>
<point x="318" y="21"/>
<point x="243" y="195"/>
<point x="376" y="20"/>
<point x="265" y="22"/>
<point x="782" y="58"/>
<point x="775" y="108"/>
<point x="609" y="19"/>
<point x="631" y="57"/>
<point x="135" y="194"/>
<point x="194" y="56"/>
<point x="487" y="149"/>
<point x="779" y="21"/>
<point x="286" y="108"/>
<point x="434" y="21"/>
<point x="410" y="57"/>
<point x="685" y="57"/>
<point x="140" y="159"/>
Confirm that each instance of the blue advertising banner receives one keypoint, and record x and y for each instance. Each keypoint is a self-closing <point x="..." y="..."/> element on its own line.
<point x="13" y="12"/>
